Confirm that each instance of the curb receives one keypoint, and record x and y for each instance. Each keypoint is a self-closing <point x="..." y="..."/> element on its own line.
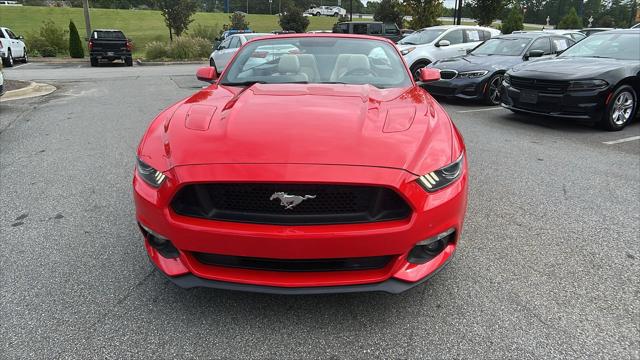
<point x="34" y="89"/>
<point x="163" y="63"/>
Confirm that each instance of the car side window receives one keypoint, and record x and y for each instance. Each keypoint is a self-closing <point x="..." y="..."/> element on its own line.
<point x="487" y="34"/>
<point x="577" y="36"/>
<point x="541" y="44"/>
<point x="454" y="37"/>
<point x="235" y="42"/>
<point x="472" y="36"/>
<point x="1" y="34"/>
<point x="225" y="44"/>
<point x="561" y="44"/>
<point x="360" y="29"/>
<point x="11" y="34"/>
<point x="391" y="29"/>
<point x="375" y="29"/>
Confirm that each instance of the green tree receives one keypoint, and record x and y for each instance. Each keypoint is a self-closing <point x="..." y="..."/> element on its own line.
<point x="177" y="14"/>
<point x="513" y="22"/>
<point x="570" y="21"/>
<point x="76" y="50"/>
<point x="238" y="21"/>
<point x="424" y="13"/>
<point x="388" y="11"/>
<point x="486" y="11"/>
<point x="293" y="20"/>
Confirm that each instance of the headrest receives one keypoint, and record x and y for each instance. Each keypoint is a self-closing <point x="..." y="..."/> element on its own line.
<point x="289" y="64"/>
<point x="307" y="59"/>
<point x="358" y="61"/>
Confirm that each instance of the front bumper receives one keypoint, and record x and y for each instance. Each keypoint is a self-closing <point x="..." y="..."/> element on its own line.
<point x="579" y="105"/>
<point x="469" y="89"/>
<point x="433" y="213"/>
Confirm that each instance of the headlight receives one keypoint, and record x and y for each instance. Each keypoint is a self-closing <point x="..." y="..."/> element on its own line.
<point x="472" y="74"/>
<point x="150" y="175"/>
<point x="506" y="79"/>
<point x="442" y="177"/>
<point x="588" y="84"/>
<point x="407" y="50"/>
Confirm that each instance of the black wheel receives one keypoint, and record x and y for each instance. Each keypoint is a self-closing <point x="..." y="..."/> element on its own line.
<point x="8" y="61"/>
<point x="318" y="14"/>
<point x="621" y="109"/>
<point x="128" y="61"/>
<point x="415" y="68"/>
<point x="94" y="61"/>
<point x="25" y="58"/>
<point x="492" y="95"/>
<point x="212" y="63"/>
<point x="336" y="14"/>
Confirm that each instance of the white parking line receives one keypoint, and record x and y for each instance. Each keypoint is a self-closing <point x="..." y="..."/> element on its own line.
<point x="19" y="66"/>
<point x="622" y="140"/>
<point x="483" y="109"/>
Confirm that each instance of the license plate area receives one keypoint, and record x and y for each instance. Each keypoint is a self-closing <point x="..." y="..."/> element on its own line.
<point x="109" y="53"/>
<point x="529" y="96"/>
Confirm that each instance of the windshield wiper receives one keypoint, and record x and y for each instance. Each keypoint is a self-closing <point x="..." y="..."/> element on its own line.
<point x="243" y="83"/>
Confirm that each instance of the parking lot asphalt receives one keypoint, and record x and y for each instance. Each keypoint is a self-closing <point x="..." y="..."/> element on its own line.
<point x="548" y="266"/>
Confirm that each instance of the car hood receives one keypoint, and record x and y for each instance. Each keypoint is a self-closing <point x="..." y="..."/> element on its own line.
<point x="302" y="124"/>
<point x="568" y="68"/>
<point x="475" y="62"/>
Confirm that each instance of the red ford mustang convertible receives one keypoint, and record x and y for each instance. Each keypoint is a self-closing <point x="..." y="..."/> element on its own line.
<point x="313" y="164"/>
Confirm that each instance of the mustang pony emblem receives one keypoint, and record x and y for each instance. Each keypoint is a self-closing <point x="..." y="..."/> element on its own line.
<point x="290" y="201"/>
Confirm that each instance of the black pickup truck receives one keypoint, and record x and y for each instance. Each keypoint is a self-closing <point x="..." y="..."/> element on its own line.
<point x="109" y="45"/>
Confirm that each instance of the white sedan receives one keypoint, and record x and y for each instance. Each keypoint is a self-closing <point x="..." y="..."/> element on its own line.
<point x="221" y="56"/>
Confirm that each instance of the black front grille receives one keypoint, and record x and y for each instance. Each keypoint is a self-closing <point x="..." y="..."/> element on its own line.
<point x="448" y="74"/>
<point x="318" y="265"/>
<point x="259" y="203"/>
<point x="543" y="86"/>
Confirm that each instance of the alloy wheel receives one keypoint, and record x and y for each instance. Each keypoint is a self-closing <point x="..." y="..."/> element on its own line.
<point x="494" y="89"/>
<point x="622" y="108"/>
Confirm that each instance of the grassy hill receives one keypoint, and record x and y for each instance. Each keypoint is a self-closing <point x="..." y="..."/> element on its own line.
<point x="142" y="26"/>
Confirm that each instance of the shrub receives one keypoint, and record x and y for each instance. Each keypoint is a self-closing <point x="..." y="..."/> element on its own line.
<point x="238" y="21"/>
<point x="294" y="21"/>
<point x="156" y="50"/>
<point x="205" y="32"/>
<point x="570" y="21"/>
<point x="49" y="38"/>
<point x="513" y="22"/>
<point x="75" y="45"/>
<point x="47" y="51"/>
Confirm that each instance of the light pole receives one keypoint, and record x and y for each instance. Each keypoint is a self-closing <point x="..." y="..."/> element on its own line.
<point x="87" y="19"/>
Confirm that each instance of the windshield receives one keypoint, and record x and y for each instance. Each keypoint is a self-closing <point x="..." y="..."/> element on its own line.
<point x="421" y="37"/>
<point x="603" y="45"/>
<point x="502" y="46"/>
<point x="318" y="60"/>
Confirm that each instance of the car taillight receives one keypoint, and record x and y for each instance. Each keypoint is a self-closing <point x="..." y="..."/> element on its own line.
<point x="90" y="45"/>
<point x="129" y="45"/>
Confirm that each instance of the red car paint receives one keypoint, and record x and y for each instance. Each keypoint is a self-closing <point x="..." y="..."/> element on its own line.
<point x="303" y="133"/>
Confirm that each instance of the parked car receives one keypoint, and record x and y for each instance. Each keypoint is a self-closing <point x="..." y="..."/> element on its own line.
<point x="109" y="45"/>
<point x="228" y="47"/>
<point x="373" y="28"/>
<point x="636" y="26"/>
<point x="478" y="75"/>
<point x="441" y="42"/>
<point x="576" y="35"/>
<point x="227" y="33"/>
<point x="2" y="89"/>
<point x="336" y="11"/>
<point x="281" y="179"/>
<point x="591" y="31"/>
<point x="595" y="80"/>
<point x="12" y="47"/>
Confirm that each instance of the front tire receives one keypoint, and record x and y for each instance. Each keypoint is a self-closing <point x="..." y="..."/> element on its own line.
<point x="492" y="95"/>
<point x="336" y="15"/>
<point x="94" y="62"/>
<point x="318" y="14"/>
<point x="212" y="63"/>
<point x="25" y="58"/>
<point x="415" y="68"/>
<point x="621" y="109"/>
<point x="8" y="61"/>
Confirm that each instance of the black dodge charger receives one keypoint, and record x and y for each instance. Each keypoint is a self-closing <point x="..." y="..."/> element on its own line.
<point x="596" y="80"/>
<point x="478" y="75"/>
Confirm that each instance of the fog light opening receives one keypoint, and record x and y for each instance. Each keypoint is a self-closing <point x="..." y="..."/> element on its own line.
<point x="160" y="243"/>
<point x="426" y="250"/>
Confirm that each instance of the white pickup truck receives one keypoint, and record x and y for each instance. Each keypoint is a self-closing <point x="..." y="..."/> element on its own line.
<point x="326" y="11"/>
<point x="11" y="47"/>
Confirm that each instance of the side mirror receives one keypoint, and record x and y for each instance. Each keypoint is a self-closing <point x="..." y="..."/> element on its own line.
<point x="443" y="43"/>
<point x="21" y="37"/>
<point x="469" y="51"/>
<point x="207" y="74"/>
<point x="429" y="74"/>
<point x="534" y="53"/>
